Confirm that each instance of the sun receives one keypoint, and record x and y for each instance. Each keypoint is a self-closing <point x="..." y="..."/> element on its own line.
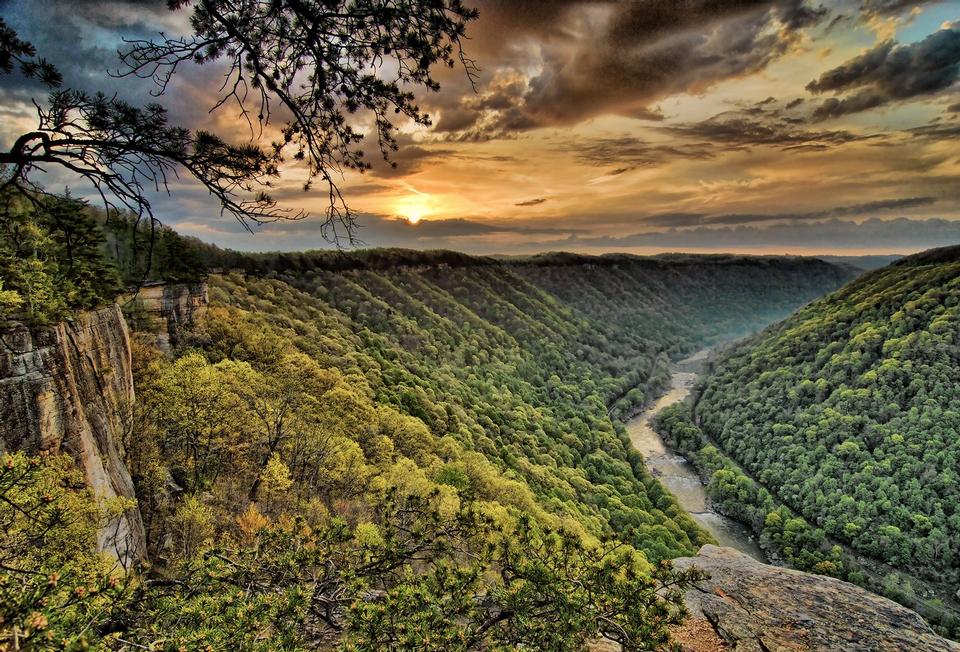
<point x="414" y="208"/>
<point x="415" y="214"/>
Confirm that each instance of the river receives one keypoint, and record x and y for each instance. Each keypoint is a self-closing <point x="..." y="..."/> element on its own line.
<point x="679" y="475"/>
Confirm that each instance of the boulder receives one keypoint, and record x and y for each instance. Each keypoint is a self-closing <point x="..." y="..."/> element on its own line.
<point x="755" y="607"/>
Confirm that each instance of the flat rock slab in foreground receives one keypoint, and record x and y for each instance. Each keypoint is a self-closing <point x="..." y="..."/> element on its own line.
<point x="756" y="607"/>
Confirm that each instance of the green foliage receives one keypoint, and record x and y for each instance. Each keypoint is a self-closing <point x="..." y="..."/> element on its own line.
<point x="416" y="576"/>
<point x="145" y="250"/>
<point x="54" y="591"/>
<point x="514" y="361"/>
<point x="51" y="259"/>
<point x="848" y="412"/>
<point x="379" y="457"/>
<point x="303" y="400"/>
<point x="10" y="302"/>
<point x="735" y="494"/>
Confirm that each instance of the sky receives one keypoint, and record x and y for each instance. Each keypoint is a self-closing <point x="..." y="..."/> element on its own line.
<point x="789" y="126"/>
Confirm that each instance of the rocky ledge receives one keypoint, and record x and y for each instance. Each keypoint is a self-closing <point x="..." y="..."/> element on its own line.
<point x="756" y="607"/>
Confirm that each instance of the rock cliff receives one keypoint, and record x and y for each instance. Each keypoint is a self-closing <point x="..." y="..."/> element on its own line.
<point x="70" y="388"/>
<point x="169" y="308"/>
<point x="758" y="608"/>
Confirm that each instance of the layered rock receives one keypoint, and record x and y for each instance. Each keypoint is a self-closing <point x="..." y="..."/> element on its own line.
<point x="755" y="607"/>
<point x="69" y="388"/>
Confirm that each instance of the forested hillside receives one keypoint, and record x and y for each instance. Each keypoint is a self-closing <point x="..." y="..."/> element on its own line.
<point x="492" y="356"/>
<point x="385" y="450"/>
<point x="848" y="413"/>
<point x="322" y="385"/>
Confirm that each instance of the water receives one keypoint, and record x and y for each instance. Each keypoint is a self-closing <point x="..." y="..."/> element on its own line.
<point x="676" y="473"/>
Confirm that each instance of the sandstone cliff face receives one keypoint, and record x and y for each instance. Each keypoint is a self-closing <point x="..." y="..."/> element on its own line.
<point x="758" y="608"/>
<point x="70" y="388"/>
<point x="171" y="308"/>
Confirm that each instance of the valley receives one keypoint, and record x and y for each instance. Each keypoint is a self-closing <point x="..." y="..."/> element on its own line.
<point x="479" y="326"/>
<point x="676" y="473"/>
<point x="541" y="403"/>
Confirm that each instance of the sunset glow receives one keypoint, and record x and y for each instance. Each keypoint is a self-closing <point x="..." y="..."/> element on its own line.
<point x="620" y="127"/>
<point x="413" y="208"/>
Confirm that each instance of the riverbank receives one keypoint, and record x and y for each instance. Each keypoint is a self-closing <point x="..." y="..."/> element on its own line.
<point x="676" y="473"/>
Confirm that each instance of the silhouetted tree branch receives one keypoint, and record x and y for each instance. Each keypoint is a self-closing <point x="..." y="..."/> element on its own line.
<point x="313" y="62"/>
<point x="317" y="62"/>
<point x="125" y="151"/>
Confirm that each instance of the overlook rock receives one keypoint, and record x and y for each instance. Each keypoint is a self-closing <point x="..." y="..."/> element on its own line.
<point x="759" y="608"/>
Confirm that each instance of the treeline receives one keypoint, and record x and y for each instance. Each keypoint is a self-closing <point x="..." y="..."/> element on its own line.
<point x="676" y="303"/>
<point x="52" y="259"/>
<point x="59" y="254"/>
<point x="848" y="413"/>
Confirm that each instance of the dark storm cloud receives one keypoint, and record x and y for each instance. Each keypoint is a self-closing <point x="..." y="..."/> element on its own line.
<point x="635" y="53"/>
<point x="651" y="50"/>
<point x="732" y="219"/>
<point x="81" y="37"/>
<point x="741" y="130"/>
<point x="633" y="152"/>
<point x="889" y="73"/>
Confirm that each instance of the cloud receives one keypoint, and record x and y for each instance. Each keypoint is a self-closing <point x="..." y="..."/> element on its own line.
<point x="81" y="38"/>
<point x="631" y="152"/>
<point x="596" y="57"/>
<point x="679" y="220"/>
<point x="531" y="202"/>
<point x="387" y="227"/>
<point x="676" y="220"/>
<point x="901" y="234"/>
<point x="374" y="231"/>
<point x="836" y="211"/>
<point x="411" y="157"/>
<point x="741" y="130"/>
<point x="886" y="8"/>
<point x="937" y="131"/>
<point x="890" y="72"/>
